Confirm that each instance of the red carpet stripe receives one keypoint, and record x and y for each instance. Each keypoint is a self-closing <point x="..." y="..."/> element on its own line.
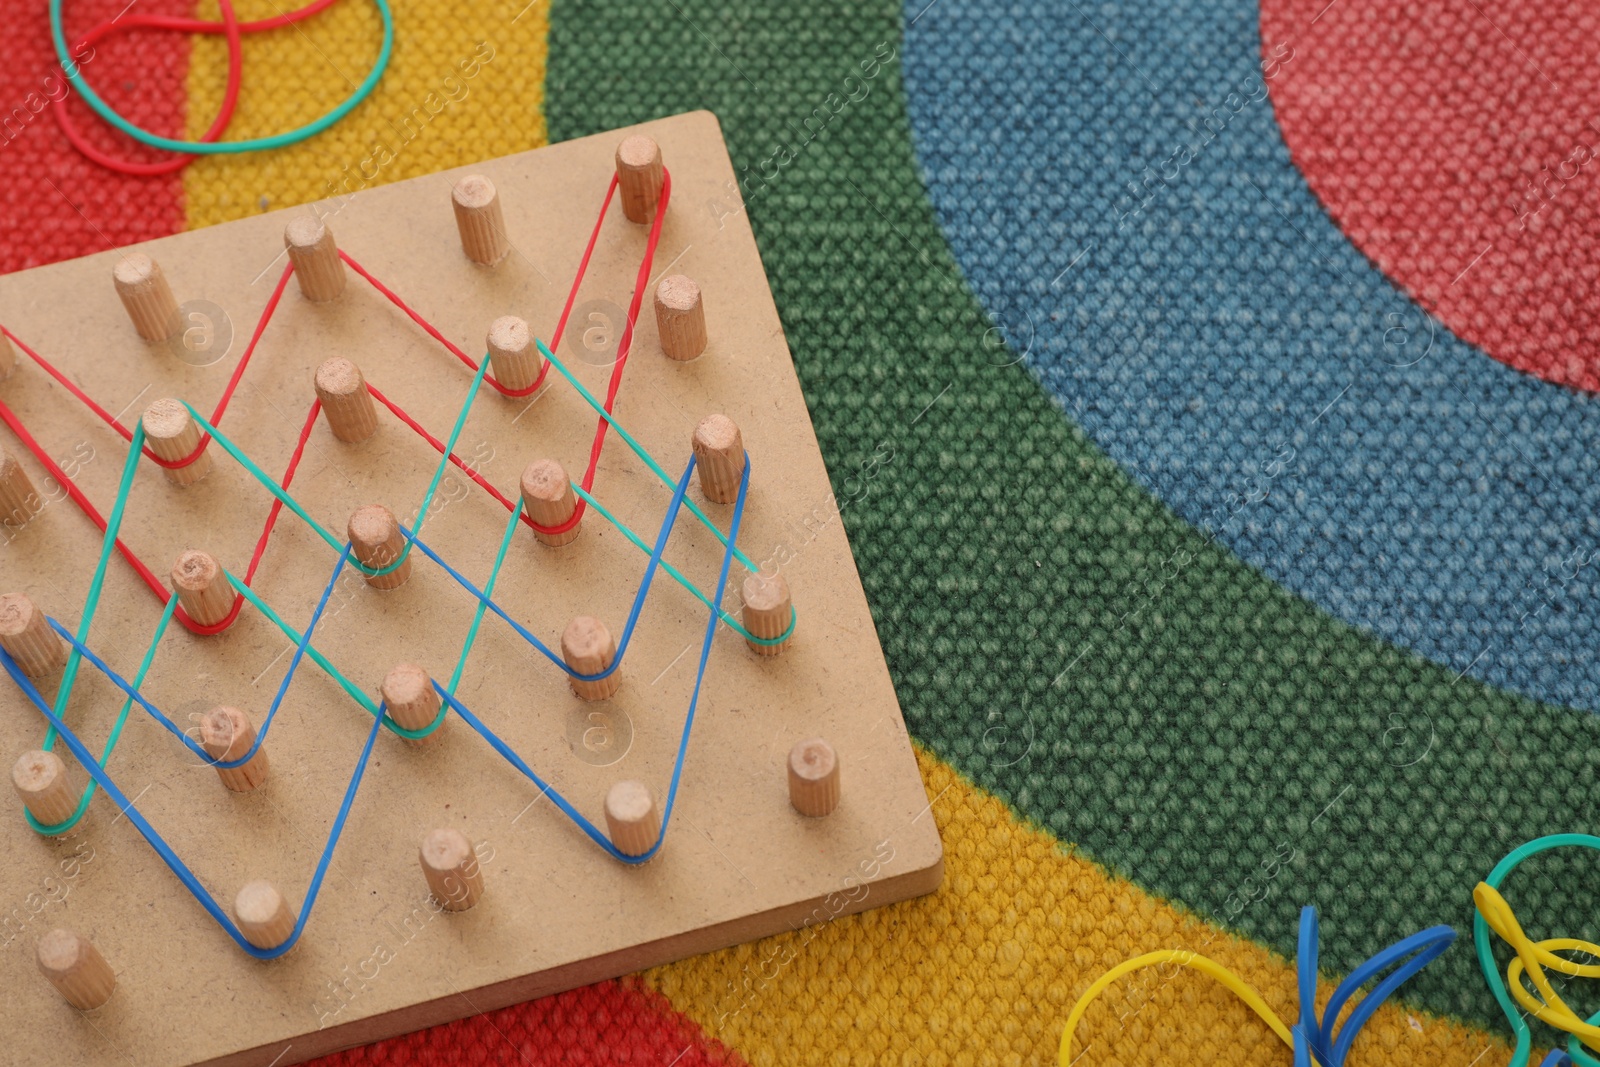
<point x="609" y="1023"/>
<point x="1453" y="143"/>
<point x="54" y="204"/>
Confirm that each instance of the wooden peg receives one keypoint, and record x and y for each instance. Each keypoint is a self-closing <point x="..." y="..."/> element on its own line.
<point x="451" y="867"/>
<point x="513" y="356"/>
<point x="376" y="541"/>
<point x="8" y="357"/>
<point x="813" y="777"/>
<point x="639" y="176"/>
<point x="40" y="779"/>
<point x="587" y="647"/>
<point x="346" y="401"/>
<point x="75" y="967"/>
<point x="413" y="702"/>
<point x="548" y="496"/>
<point x="172" y="434"/>
<point x="204" y="592"/>
<point x="227" y="734"/>
<point x="631" y="817"/>
<point x="480" y="220"/>
<point x="263" y="916"/>
<point x="680" y="317"/>
<point x="767" y="611"/>
<point x="719" y="455"/>
<point x="146" y="296"/>
<point x="28" y="638"/>
<point x="315" y="256"/>
<point x="19" y="500"/>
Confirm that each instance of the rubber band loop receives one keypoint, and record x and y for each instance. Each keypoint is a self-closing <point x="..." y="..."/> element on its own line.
<point x="74" y="75"/>
<point x="1494" y="914"/>
<point x="1308" y="1039"/>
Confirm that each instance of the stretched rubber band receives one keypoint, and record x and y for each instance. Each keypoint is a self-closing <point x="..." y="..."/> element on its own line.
<point x="116" y="730"/>
<point x="449" y="700"/>
<point x="282" y="494"/>
<point x="638" y="450"/>
<point x="75" y="77"/>
<point x="633" y="612"/>
<point x="198" y="890"/>
<point x="624" y="343"/>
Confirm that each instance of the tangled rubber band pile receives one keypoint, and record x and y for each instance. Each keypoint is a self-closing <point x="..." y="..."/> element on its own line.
<point x="1525" y="982"/>
<point x="1310" y="1037"/>
<point x="209" y="143"/>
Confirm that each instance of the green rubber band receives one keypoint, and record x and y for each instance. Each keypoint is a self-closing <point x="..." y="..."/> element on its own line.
<point x="337" y="545"/>
<point x="483" y="604"/>
<point x="91" y="602"/>
<point x="350" y="688"/>
<point x="638" y="450"/>
<point x="69" y="66"/>
<point x="116" y="731"/>
<point x="731" y="622"/>
<point x="119" y="509"/>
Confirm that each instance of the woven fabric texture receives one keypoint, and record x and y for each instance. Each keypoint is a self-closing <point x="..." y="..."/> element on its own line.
<point x="1456" y="146"/>
<point x="1168" y="274"/>
<point x="54" y="203"/>
<point x="1055" y="632"/>
<point x="465" y="83"/>
<point x="1131" y="737"/>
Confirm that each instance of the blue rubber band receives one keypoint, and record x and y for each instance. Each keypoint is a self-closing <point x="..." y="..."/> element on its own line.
<point x="132" y="690"/>
<point x="1417" y="951"/>
<point x="545" y="789"/>
<point x="82" y="754"/>
<point x="638" y="599"/>
<point x="70" y="68"/>
<point x="193" y="884"/>
<point x="1318" y="1040"/>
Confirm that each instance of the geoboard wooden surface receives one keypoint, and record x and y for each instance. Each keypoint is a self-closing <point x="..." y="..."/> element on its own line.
<point x="557" y="912"/>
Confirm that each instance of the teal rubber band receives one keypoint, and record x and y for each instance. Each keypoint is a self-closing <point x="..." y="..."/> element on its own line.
<point x="1483" y="942"/>
<point x="351" y="689"/>
<point x="91" y="602"/>
<point x="483" y="605"/>
<point x="69" y="66"/>
<point x="114" y="526"/>
<point x="289" y="502"/>
<point x="731" y="622"/>
<point x="666" y="479"/>
<point x="292" y="634"/>
<point x="116" y="732"/>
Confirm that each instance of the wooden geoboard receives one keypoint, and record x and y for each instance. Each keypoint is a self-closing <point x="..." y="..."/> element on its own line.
<point x="738" y="863"/>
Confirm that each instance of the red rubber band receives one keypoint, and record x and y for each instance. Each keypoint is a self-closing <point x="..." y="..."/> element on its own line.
<point x="155" y="585"/>
<point x="229" y="27"/>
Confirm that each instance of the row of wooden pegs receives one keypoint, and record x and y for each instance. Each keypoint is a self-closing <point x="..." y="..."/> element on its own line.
<point x="450" y="868"/>
<point x="80" y="973"/>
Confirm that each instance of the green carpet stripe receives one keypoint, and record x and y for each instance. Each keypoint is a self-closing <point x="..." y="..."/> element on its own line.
<point x="1054" y="632"/>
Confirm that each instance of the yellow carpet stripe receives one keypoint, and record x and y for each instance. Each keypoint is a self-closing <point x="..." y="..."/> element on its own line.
<point x="985" y="971"/>
<point x="466" y="82"/>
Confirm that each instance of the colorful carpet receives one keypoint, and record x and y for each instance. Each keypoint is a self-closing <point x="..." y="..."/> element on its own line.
<point x="1233" y="550"/>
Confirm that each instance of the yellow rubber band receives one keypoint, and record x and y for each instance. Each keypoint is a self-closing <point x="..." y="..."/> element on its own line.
<point x="1530" y="961"/>
<point x="1184" y="958"/>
